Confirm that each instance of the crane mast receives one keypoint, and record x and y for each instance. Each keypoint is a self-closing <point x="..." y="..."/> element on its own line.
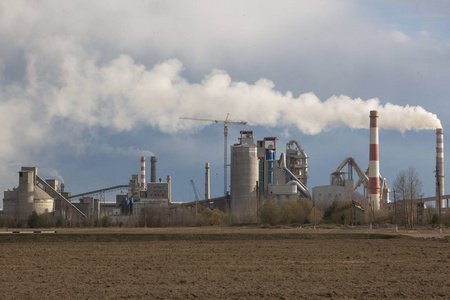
<point x="225" y="143"/>
<point x="194" y="188"/>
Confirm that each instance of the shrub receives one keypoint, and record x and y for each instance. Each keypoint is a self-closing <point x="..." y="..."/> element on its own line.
<point x="270" y="213"/>
<point x="33" y="220"/>
<point x="435" y="220"/>
<point x="286" y="212"/>
<point x="181" y="217"/>
<point x="154" y="216"/>
<point x="213" y="217"/>
<point x="105" y="221"/>
<point x="342" y="212"/>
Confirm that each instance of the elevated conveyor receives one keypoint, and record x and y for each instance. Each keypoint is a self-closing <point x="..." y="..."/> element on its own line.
<point x="55" y="194"/>
<point x="109" y="189"/>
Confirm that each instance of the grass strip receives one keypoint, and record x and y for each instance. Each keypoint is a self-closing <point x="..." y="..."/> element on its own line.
<point x="149" y="237"/>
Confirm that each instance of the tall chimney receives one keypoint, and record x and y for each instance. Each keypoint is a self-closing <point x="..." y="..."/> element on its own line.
<point x="374" y="164"/>
<point x="169" y="188"/>
<point x="143" y="172"/>
<point x="207" y="188"/>
<point x="440" y="183"/>
<point x="153" y="170"/>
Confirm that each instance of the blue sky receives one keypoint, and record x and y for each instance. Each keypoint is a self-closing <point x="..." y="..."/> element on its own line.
<point x="86" y="87"/>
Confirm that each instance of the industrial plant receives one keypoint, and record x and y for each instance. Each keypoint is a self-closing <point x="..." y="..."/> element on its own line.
<point x="259" y="174"/>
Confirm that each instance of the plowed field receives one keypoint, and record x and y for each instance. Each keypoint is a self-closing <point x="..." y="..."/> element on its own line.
<point x="214" y="266"/>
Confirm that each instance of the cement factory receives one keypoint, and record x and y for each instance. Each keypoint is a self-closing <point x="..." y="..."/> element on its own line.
<point x="258" y="175"/>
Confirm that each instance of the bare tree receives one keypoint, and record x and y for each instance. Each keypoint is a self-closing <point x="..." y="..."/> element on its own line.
<point x="408" y="187"/>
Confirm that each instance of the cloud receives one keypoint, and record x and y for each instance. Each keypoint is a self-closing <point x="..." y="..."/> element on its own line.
<point x="399" y="37"/>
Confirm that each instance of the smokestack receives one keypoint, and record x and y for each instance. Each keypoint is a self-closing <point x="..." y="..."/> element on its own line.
<point x="169" y="188"/>
<point x="207" y="189"/>
<point x="374" y="164"/>
<point x="143" y="172"/>
<point x="153" y="170"/>
<point x="440" y="183"/>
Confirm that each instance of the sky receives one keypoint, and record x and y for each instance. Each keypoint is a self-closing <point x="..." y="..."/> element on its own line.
<point x="88" y="87"/>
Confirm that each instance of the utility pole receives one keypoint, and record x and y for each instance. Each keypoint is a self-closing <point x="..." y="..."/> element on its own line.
<point x="225" y="143"/>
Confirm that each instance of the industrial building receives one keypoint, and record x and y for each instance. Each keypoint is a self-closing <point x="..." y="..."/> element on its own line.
<point x="375" y="191"/>
<point x="343" y="187"/>
<point x="37" y="194"/>
<point x="258" y="175"/>
<point x="46" y="197"/>
<point x="142" y="194"/>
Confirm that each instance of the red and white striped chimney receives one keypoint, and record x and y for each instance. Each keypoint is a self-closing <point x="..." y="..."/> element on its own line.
<point x="374" y="163"/>
<point x="440" y="183"/>
<point x="143" y="172"/>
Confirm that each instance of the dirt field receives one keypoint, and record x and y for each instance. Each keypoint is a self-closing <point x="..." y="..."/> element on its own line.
<point x="313" y="266"/>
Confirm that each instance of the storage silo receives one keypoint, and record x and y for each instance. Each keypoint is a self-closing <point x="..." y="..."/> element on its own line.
<point x="28" y="197"/>
<point x="244" y="179"/>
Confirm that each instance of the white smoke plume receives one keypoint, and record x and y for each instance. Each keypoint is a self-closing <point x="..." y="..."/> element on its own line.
<point x="123" y="152"/>
<point x="54" y="174"/>
<point x="123" y="95"/>
<point x="81" y="95"/>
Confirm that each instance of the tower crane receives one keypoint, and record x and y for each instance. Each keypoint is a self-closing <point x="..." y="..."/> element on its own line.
<point x="225" y="142"/>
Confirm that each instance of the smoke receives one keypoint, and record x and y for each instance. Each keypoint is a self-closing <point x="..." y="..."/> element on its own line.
<point x="49" y="173"/>
<point x="123" y="152"/>
<point x="81" y="95"/>
<point x="55" y="174"/>
<point x="123" y="95"/>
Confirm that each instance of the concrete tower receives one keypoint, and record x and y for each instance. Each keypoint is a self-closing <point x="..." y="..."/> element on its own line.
<point x="27" y="184"/>
<point x="440" y="182"/>
<point x="374" y="164"/>
<point x="244" y="178"/>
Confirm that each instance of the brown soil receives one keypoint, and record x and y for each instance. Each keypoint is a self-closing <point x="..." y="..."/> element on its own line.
<point x="316" y="268"/>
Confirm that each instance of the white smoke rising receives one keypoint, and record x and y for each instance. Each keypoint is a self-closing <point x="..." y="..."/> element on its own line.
<point x="123" y="95"/>
<point x="51" y="172"/>
<point x="123" y="152"/>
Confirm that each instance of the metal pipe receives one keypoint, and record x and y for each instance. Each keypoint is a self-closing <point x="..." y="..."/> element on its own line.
<point x="374" y="163"/>
<point x="270" y="156"/>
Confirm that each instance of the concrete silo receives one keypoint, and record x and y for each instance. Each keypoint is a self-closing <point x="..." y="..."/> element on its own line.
<point x="20" y="202"/>
<point x="244" y="179"/>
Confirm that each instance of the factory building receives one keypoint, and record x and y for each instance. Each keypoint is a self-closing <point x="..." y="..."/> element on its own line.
<point x="142" y="194"/>
<point x="375" y="194"/>
<point x="278" y="179"/>
<point x="89" y="206"/>
<point x="20" y="202"/>
<point x="37" y="194"/>
<point x="257" y="176"/>
<point x="297" y="161"/>
<point x="341" y="188"/>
